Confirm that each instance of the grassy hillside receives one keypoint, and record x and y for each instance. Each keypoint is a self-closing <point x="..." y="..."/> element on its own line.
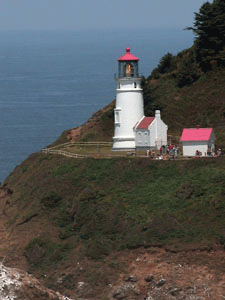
<point x="198" y="102"/>
<point x="112" y="204"/>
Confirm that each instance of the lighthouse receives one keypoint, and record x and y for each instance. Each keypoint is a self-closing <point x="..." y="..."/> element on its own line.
<point x="129" y="109"/>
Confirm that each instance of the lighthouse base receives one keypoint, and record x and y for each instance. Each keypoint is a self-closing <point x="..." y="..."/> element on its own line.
<point x="123" y="144"/>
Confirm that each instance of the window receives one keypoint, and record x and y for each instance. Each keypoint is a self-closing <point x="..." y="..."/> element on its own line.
<point x="128" y="70"/>
<point x="117" y="115"/>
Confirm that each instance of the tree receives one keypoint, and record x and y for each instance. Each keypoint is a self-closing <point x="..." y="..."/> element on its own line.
<point x="166" y="65"/>
<point x="209" y="28"/>
<point x="188" y="70"/>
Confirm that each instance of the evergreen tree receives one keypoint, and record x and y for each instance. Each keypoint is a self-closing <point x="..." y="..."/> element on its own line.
<point x="188" y="70"/>
<point x="209" y="28"/>
<point x="166" y="65"/>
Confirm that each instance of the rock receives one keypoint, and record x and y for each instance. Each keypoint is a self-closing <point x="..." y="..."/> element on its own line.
<point x="60" y="280"/>
<point x="81" y="285"/>
<point x="131" y="278"/>
<point x="175" y="291"/>
<point x="149" y="278"/>
<point x="16" y="284"/>
<point x="123" y="291"/>
<point x="82" y="288"/>
<point x="149" y="297"/>
<point x="136" y="291"/>
<point x="161" y="282"/>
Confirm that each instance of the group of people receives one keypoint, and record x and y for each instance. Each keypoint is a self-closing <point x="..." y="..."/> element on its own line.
<point x="165" y="152"/>
<point x="170" y="150"/>
<point x="209" y="153"/>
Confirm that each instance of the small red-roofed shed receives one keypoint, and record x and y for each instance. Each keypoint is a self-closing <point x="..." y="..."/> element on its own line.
<point x="151" y="132"/>
<point x="197" y="140"/>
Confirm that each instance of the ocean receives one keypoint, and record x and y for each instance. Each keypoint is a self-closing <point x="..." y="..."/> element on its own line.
<point x="51" y="81"/>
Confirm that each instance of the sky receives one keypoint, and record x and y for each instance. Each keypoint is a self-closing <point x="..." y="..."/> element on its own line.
<point x="96" y="14"/>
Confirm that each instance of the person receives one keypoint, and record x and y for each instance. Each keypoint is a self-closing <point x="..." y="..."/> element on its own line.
<point x="208" y="152"/>
<point x="175" y="152"/>
<point x="168" y="150"/>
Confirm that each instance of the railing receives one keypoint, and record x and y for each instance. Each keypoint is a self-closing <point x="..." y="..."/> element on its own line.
<point x="53" y="150"/>
<point x="137" y="75"/>
<point x="64" y="153"/>
<point x="70" y="144"/>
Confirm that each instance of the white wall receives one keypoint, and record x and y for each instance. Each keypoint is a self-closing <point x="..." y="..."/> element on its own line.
<point x="189" y="148"/>
<point x="161" y="130"/>
<point x="153" y="133"/>
<point x="162" y="133"/>
<point x="142" y="138"/>
<point x="128" y="111"/>
<point x="157" y="134"/>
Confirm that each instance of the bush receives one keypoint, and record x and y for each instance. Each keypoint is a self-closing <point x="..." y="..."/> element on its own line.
<point x="51" y="199"/>
<point x="42" y="253"/>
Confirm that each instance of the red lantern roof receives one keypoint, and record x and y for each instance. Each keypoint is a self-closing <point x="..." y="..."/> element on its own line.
<point x="128" y="56"/>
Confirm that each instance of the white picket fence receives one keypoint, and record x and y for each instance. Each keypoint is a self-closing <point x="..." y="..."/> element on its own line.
<point x="65" y="153"/>
<point x="54" y="150"/>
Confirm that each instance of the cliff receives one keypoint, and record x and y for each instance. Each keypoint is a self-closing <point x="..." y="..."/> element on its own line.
<point x="89" y="220"/>
<point x="124" y="227"/>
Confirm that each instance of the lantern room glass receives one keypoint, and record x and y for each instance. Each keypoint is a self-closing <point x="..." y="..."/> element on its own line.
<point x="128" y="69"/>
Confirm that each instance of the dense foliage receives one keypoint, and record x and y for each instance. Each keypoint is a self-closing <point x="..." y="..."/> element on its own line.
<point x="207" y="53"/>
<point x="209" y="28"/>
<point x="187" y="68"/>
<point x="166" y="65"/>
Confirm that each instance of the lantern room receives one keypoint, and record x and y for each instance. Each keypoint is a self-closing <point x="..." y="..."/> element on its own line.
<point x="128" y="65"/>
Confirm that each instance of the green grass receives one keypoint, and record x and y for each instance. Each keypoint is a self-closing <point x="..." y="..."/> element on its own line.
<point x="118" y="203"/>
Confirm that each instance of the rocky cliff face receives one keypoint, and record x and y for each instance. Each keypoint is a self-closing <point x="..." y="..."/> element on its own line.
<point x="152" y="274"/>
<point x="19" y="285"/>
<point x="156" y="274"/>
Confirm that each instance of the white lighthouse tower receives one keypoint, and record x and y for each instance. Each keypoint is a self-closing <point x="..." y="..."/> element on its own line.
<point x="129" y="102"/>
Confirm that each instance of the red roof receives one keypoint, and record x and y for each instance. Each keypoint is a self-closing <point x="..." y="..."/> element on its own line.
<point x="128" y="56"/>
<point x="196" y="134"/>
<point x="145" y="122"/>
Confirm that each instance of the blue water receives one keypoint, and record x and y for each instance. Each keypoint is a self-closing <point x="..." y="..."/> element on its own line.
<point x="51" y="81"/>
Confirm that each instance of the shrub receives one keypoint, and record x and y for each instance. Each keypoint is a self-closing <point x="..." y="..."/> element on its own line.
<point x="51" y="199"/>
<point x="41" y="253"/>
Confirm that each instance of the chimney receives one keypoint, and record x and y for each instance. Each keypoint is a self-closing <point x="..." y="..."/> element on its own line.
<point x="157" y="114"/>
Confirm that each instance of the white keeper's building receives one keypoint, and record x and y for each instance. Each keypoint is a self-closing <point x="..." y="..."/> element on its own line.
<point x="132" y="130"/>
